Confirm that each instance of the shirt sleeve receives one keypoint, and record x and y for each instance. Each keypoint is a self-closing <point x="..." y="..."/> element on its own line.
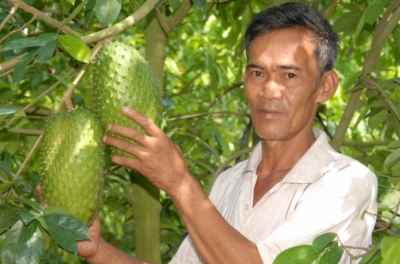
<point x="336" y="206"/>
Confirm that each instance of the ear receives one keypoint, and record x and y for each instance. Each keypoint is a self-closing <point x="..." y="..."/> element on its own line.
<point x="328" y="86"/>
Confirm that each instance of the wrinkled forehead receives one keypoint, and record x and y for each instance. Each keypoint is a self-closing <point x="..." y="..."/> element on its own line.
<point x="303" y="34"/>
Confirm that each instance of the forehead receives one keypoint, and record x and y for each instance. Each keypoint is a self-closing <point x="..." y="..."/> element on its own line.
<point x="285" y="44"/>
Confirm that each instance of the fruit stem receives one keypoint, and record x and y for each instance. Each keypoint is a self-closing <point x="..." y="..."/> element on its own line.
<point x="68" y="95"/>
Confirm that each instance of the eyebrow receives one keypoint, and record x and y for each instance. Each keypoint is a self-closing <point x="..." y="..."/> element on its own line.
<point x="253" y="65"/>
<point x="283" y="67"/>
<point x="290" y="67"/>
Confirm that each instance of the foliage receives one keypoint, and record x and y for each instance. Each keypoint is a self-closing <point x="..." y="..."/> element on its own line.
<point x="44" y="57"/>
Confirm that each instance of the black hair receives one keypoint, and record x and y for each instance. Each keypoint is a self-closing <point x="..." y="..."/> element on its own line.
<point x="292" y="15"/>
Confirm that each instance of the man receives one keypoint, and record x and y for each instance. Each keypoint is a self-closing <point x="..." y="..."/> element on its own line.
<point x="293" y="188"/>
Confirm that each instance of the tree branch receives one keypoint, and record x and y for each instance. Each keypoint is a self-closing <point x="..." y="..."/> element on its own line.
<point x="28" y="157"/>
<point x="44" y="17"/>
<point x="225" y="164"/>
<point x="67" y="96"/>
<point x="382" y="33"/>
<point x="100" y="35"/>
<point x="206" y="114"/>
<point x="216" y="154"/>
<point x="121" y="194"/>
<point x="31" y="132"/>
<point x="10" y="64"/>
<point x="202" y="164"/>
<point x="373" y="86"/>
<point x="18" y="29"/>
<point x="365" y="144"/>
<point x="179" y="15"/>
<point x="131" y="20"/>
<point x="42" y="94"/>
<point x="12" y="12"/>
<point x="161" y="19"/>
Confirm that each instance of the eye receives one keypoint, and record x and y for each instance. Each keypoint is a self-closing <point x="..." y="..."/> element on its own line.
<point x="257" y="73"/>
<point x="290" y="75"/>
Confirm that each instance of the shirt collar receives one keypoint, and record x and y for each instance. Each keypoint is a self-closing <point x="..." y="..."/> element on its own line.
<point x="306" y="169"/>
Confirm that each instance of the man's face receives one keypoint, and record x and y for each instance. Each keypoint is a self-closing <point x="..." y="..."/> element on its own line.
<point x="280" y="83"/>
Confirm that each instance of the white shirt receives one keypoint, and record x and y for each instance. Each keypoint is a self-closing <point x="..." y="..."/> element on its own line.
<point x="324" y="192"/>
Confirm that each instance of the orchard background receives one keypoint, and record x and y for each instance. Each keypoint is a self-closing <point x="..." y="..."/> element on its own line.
<point x="196" y="49"/>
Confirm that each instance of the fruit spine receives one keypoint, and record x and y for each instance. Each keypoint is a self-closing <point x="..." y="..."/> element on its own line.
<point x="72" y="163"/>
<point x="122" y="77"/>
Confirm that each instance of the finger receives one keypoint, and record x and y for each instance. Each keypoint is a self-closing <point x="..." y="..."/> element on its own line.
<point x="123" y="145"/>
<point x="126" y="162"/>
<point x="127" y="132"/>
<point x="144" y="122"/>
<point x="40" y="196"/>
<point x="39" y="192"/>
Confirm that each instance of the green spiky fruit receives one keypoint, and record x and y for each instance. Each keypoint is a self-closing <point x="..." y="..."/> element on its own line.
<point x="72" y="163"/>
<point x="122" y="77"/>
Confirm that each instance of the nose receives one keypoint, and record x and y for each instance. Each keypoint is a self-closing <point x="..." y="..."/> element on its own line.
<point x="271" y="90"/>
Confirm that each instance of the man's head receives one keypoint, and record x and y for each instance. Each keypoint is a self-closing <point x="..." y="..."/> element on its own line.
<point x="292" y="15"/>
<point x="285" y="80"/>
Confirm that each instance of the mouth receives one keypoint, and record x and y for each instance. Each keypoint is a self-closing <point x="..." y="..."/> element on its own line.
<point x="270" y="113"/>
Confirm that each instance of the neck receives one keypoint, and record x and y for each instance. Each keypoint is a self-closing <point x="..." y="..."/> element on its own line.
<point x="282" y="155"/>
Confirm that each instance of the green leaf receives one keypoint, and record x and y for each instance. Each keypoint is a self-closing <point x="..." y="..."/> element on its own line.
<point x="299" y="255"/>
<point x="37" y="206"/>
<point x="46" y="37"/>
<point x="56" y="210"/>
<point x="28" y="216"/>
<point x="46" y="52"/>
<point x="373" y="12"/>
<point x="370" y="255"/>
<point x="200" y="3"/>
<point x="396" y="37"/>
<point x="76" y="11"/>
<point x="89" y="10"/>
<point x="107" y="11"/>
<point x="327" y="258"/>
<point x="321" y="242"/>
<point x="347" y="22"/>
<point x="6" y="168"/>
<point x="75" y="47"/>
<point x="377" y="119"/>
<point x="65" y="230"/>
<point x="394" y="145"/>
<point x="392" y="159"/>
<point x="358" y="29"/>
<point x="336" y="251"/>
<point x="46" y="238"/>
<point x="22" y="65"/>
<point x="7" y="111"/>
<point x="8" y="217"/>
<point x="23" y="244"/>
<point x="10" y="244"/>
<point x="390" y="247"/>
<point x="30" y="246"/>
<point x="7" y="185"/>
<point x="22" y="43"/>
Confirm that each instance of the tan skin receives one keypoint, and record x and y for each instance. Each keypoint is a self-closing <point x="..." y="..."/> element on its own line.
<point x="283" y="96"/>
<point x="280" y="86"/>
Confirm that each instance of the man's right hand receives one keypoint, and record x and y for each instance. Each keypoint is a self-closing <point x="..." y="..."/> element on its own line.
<point x="88" y="248"/>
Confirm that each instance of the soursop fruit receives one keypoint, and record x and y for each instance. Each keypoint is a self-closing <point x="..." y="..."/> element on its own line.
<point x="72" y="163"/>
<point x="122" y="77"/>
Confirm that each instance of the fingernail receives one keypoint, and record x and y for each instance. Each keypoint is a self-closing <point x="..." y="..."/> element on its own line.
<point x="109" y="127"/>
<point x="125" y="110"/>
<point x="104" y="138"/>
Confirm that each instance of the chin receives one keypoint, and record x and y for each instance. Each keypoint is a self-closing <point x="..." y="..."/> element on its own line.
<point x="272" y="135"/>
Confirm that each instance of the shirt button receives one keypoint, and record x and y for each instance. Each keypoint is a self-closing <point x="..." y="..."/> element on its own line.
<point x="246" y="207"/>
